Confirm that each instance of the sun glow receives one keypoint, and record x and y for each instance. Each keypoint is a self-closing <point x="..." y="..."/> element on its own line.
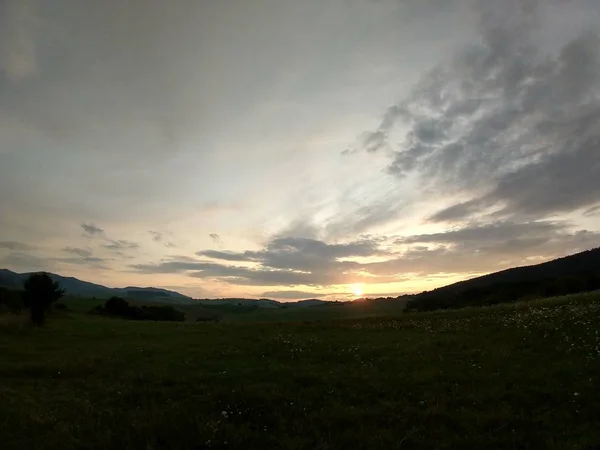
<point x="357" y="290"/>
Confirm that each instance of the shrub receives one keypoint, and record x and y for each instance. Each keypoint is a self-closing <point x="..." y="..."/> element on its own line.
<point x="119" y="307"/>
<point x="40" y="292"/>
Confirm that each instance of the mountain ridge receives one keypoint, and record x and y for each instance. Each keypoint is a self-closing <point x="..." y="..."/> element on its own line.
<point x="75" y="286"/>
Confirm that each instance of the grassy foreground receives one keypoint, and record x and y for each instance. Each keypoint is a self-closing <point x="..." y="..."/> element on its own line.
<point x="508" y="377"/>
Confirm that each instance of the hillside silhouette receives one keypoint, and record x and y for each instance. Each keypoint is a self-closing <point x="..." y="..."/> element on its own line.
<point x="568" y="275"/>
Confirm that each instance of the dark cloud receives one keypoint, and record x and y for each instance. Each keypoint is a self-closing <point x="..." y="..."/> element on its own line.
<point x="215" y="238"/>
<point x="229" y="256"/>
<point x="16" y="246"/>
<point x="476" y="251"/>
<point x="499" y="237"/>
<point x="300" y="253"/>
<point x="459" y="211"/>
<point x="260" y="276"/>
<point x="91" y="229"/>
<point x="514" y="127"/>
<point x="292" y="295"/>
<point x="363" y="218"/>
<point x="284" y="261"/>
<point x="121" y="245"/>
<point x="473" y="249"/>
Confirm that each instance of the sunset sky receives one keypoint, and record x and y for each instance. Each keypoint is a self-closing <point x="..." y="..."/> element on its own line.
<point x="297" y="149"/>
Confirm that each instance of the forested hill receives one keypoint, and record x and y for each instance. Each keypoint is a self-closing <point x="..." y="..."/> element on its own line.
<point x="567" y="275"/>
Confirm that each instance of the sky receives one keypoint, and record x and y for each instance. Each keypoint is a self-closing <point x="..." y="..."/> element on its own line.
<point x="292" y="150"/>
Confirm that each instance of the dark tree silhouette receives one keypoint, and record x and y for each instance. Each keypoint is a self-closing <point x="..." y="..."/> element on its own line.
<point x="40" y="292"/>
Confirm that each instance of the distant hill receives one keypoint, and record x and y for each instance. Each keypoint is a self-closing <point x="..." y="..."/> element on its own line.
<point x="247" y="302"/>
<point x="77" y="287"/>
<point x="571" y="274"/>
<point x="10" y="279"/>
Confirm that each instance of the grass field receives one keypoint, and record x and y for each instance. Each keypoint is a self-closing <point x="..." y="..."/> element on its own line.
<point x="521" y="376"/>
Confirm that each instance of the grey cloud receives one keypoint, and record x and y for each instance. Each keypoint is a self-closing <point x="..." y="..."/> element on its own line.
<point x="476" y="248"/>
<point x="121" y="245"/>
<point x="560" y="183"/>
<point x="81" y="256"/>
<point x="20" y="261"/>
<point x="82" y="252"/>
<point x="86" y="260"/>
<point x="292" y="295"/>
<point x="18" y="25"/>
<point x="459" y="211"/>
<point x="161" y="238"/>
<point x="498" y="238"/>
<point x="485" y="253"/>
<point x="593" y="211"/>
<point x="284" y="261"/>
<point x="471" y="250"/>
<point x="300" y="253"/>
<point x="216" y="238"/>
<point x="232" y="274"/>
<point x="513" y="126"/>
<point x="170" y="266"/>
<point x="91" y="229"/>
<point x="16" y="246"/>
<point x="266" y="277"/>
<point x="364" y="217"/>
<point x="156" y="236"/>
<point x="229" y="256"/>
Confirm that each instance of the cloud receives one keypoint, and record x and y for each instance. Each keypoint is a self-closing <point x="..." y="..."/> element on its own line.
<point x="284" y="261"/>
<point x="81" y="256"/>
<point x="593" y="211"/>
<point x="18" y="23"/>
<point x="472" y="249"/>
<point x="91" y="261"/>
<point x="216" y="238"/>
<point x="292" y="295"/>
<point x="121" y="245"/>
<point x="91" y="229"/>
<point x="16" y="246"/>
<point x="84" y="253"/>
<point x="160" y="238"/>
<point x="497" y="236"/>
<point x="156" y="236"/>
<point x="294" y="253"/>
<point x="448" y="253"/>
<point x="19" y="261"/>
<point x="513" y="128"/>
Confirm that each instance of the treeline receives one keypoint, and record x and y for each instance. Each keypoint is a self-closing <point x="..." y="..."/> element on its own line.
<point x="505" y="292"/>
<point x="118" y="307"/>
<point x="11" y="300"/>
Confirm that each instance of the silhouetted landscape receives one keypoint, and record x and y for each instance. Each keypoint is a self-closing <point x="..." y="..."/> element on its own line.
<point x="299" y="225"/>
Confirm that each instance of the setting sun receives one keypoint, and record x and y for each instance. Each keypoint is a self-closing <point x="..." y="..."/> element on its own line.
<point x="357" y="290"/>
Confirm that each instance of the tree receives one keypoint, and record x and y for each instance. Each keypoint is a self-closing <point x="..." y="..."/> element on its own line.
<point x="40" y="292"/>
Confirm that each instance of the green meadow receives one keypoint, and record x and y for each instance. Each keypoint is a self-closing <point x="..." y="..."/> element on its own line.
<point x="520" y="376"/>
